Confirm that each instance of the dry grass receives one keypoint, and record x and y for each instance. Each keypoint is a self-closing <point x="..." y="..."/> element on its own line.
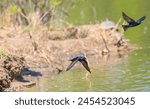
<point x="43" y="46"/>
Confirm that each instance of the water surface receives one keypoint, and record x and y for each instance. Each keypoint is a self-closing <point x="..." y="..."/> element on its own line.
<point x="133" y="74"/>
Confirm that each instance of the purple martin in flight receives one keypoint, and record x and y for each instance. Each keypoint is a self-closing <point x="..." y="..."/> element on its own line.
<point x="131" y="22"/>
<point x="81" y="59"/>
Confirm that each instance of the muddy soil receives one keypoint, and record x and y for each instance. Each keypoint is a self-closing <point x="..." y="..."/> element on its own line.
<point x="47" y="51"/>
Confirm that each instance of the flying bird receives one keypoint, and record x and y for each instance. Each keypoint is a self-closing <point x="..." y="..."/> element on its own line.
<point x="81" y="59"/>
<point x="131" y="22"/>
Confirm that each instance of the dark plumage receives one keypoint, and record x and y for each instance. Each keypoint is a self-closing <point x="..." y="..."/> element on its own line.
<point x="131" y="22"/>
<point x="81" y="59"/>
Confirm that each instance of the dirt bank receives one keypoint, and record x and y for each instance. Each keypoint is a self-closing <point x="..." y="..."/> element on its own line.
<point x="48" y="51"/>
<point x="10" y="69"/>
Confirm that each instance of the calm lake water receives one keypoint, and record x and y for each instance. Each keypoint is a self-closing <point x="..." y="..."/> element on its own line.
<point x="133" y="74"/>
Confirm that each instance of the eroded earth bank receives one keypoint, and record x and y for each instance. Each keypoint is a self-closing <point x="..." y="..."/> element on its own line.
<point x="29" y="54"/>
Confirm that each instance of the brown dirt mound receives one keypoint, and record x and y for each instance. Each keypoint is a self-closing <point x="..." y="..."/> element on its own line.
<point x="11" y="68"/>
<point x="51" y="49"/>
<point x="5" y="79"/>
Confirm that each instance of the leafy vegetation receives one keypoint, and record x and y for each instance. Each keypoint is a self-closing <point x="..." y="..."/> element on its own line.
<point x="28" y="12"/>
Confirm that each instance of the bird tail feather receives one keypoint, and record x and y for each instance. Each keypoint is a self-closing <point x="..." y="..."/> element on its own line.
<point x="125" y="27"/>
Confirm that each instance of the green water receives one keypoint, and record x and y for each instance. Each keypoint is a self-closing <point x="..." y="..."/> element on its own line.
<point x="133" y="74"/>
<point x="90" y="11"/>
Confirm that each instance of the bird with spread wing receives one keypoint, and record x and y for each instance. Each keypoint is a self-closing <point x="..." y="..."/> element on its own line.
<point x="131" y="22"/>
<point x="81" y="59"/>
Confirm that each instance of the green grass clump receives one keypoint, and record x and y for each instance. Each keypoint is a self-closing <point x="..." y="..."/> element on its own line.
<point x="3" y="53"/>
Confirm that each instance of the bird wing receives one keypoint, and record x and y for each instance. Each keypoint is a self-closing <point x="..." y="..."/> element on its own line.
<point x="73" y="59"/>
<point x="127" y="18"/>
<point x="72" y="64"/>
<point x="85" y="64"/>
<point x="141" y="19"/>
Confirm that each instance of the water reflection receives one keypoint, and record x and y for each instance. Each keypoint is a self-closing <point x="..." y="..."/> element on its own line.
<point x="128" y="73"/>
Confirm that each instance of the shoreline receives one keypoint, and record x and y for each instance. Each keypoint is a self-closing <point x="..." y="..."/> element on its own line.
<point x="48" y="51"/>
